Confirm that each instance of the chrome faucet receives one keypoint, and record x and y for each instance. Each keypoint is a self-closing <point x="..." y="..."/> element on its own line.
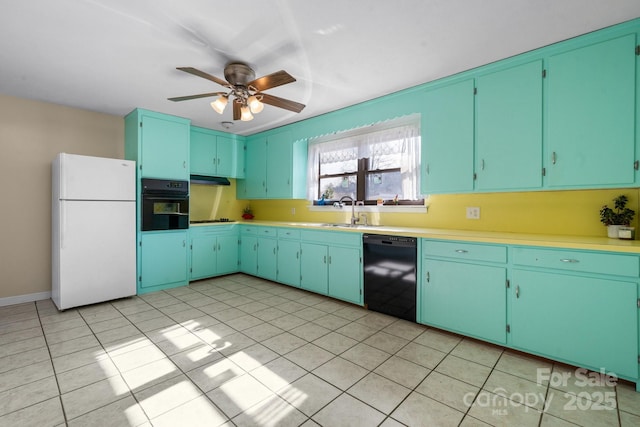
<point x="354" y="219"/>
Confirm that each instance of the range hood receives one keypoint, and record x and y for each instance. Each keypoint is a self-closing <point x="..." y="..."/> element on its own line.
<point x="209" y="180"/>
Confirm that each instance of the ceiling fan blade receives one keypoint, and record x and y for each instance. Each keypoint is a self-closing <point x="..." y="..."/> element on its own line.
<point x="236" y="110"/>
<point x="202" y="95"/>
<point x="202" y="74"/>
<point x="282" y="103"/>
<point x="278" y="78"/>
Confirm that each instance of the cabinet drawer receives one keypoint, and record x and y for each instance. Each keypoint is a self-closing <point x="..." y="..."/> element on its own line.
<point x="464" y="251"/>
<point x="288" y="233"/>
<point x="248" y="229"/>
<point x="266" y="231"/>
<point x="582" y="261"/>
<point x="345" y="238"/>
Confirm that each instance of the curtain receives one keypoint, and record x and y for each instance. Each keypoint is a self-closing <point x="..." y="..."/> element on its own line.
<point x="387" y="145"/>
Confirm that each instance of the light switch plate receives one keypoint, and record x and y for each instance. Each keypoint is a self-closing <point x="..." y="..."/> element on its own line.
<point x="473" y="212"/>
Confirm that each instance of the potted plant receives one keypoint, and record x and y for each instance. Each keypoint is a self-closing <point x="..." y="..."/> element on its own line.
<point x="619" y="216"/>
<point x="247" y="213"/>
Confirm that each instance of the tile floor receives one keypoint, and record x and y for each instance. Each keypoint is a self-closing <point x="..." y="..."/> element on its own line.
<point x="242" y="351"/>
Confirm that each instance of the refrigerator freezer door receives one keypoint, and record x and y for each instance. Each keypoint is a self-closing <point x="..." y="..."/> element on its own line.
<point x="94" y="178"/>
<point x="96" y="252"/>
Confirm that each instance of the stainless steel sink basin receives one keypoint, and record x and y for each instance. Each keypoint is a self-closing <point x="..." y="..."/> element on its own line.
<point x="346" y="225"/>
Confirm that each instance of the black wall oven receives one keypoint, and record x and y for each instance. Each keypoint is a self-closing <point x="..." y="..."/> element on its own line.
<point x="165" y="204"/>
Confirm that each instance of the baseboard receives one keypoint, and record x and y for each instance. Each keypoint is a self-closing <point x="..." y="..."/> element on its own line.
<point x="19" y="299"/>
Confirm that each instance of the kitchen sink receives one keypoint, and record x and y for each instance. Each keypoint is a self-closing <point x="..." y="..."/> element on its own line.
<point x="346" y="225"/>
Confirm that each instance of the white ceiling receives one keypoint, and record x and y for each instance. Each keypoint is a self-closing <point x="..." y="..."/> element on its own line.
<point x="112" y="56"/>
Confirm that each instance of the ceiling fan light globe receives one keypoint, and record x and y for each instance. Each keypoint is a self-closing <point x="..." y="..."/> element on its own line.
<point x="254" y="104"/>
<point x="219" y="104"/>
<point x="245" y="114"/>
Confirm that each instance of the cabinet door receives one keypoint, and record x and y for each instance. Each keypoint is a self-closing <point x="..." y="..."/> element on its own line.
<point x="345" y="278"/>
<point x="249" y="255"/>
<point x="465" y="298"/>
<point x="227" y="254"/>
<point x="590" y="115"/>
<point x="279" y="158"/>
<point x="163" y="259"/>
<point x="509" y="128"/>
<point x="313" y="267"/>
<point x="267" y="258"/>
<point x="165" y="148"/>
<point x="203" y="158"/>
<point x="226" y="156"/>
<point x="289" y="262"/>
<point x="447" y="139"/>
<point x="585" y="321"/>
<point x="203" y="256"/>
<point x="256" y="169"/>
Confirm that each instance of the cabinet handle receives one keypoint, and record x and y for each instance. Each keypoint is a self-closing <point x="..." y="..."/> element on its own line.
<point x="427" y="169"/>
<point x="461" y="251"/>
<point x="274" y="251"/>
<point x="553" y="158"/>
<point x="569" y="260"/>
<point x="324" y="259"/>
<point x="518" y="291"/>
<point x="218" y="246"/>
<point x="214" y="248"/>
<point x="218" y="160"/>
<point x="184" y="164"/>
<point x="297" y="255"/>
<point x="329" y="259"/>
<point x="254" y="246"/>
<point x="428" y="277"/>
<point x="184" y="243"/>
<point x="482" y="164"/>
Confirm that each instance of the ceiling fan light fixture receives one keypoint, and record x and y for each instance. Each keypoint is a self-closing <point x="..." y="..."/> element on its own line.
<point x="254" y="104"/>
<point x="219" y="104"/>
<point x="245" y="113"/>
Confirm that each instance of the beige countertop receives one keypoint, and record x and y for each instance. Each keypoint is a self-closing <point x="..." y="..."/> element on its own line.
<point x="552" y="241"/>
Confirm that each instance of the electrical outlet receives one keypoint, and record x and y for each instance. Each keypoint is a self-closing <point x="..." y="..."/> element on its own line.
<point x="473" y="212"/>
<point x="293" y="211"/>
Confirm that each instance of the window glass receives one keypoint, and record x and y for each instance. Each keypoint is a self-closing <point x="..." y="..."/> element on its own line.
<point x="385" y="157"/>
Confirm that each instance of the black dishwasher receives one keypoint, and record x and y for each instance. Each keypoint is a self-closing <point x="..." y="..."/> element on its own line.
<point x="389" y="264"/>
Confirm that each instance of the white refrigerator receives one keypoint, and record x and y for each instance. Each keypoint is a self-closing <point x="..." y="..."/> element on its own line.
<point x="93" y="230"/>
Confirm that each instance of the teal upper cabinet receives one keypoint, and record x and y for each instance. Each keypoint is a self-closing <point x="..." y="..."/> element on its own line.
<point x="159" y="143"/>
<point x="215" y="155"/>
<point x="254" y="184"/>
<point x="275" y="168"/>
<point x="447" y="139"/>
<point x="590" y="115"/>
<point x="509" y="128"/>
<point x="279" y="165"/>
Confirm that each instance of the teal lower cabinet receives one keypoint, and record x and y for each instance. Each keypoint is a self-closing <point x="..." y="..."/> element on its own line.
<point x="581" y="309"/>
<point x="345" y="274"/>
<point x="288" y="271"/>
<point x="463" y="289"/>
<point x="465" y="298"/>
<point x="163" y="258"/>
<point x="334" y="268"/>
<point x="248" y="249"/>
<point x="214" y="251"/>
<point x="585" y="321"/>
<point x="249" y="254"/>
<point x="313" y="267"/>
<point x="267" y="258"/>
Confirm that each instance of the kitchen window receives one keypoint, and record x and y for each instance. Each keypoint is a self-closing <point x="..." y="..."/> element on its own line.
<point x="379" y="162"/>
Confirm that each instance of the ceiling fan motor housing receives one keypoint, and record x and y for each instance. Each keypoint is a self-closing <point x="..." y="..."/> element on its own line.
<point x="238" y="74"/>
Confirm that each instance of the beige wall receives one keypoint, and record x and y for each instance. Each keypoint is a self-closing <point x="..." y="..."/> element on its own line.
<point x="31" y="134"/>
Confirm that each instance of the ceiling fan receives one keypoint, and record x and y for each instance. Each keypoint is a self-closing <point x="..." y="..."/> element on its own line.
<point x="245" y="89"/>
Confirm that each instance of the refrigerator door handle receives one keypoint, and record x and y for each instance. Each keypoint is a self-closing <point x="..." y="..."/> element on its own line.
<point x="63" y="223"/>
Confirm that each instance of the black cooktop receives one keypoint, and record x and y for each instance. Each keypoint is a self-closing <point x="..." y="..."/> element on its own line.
<point x="205" y="221"/>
